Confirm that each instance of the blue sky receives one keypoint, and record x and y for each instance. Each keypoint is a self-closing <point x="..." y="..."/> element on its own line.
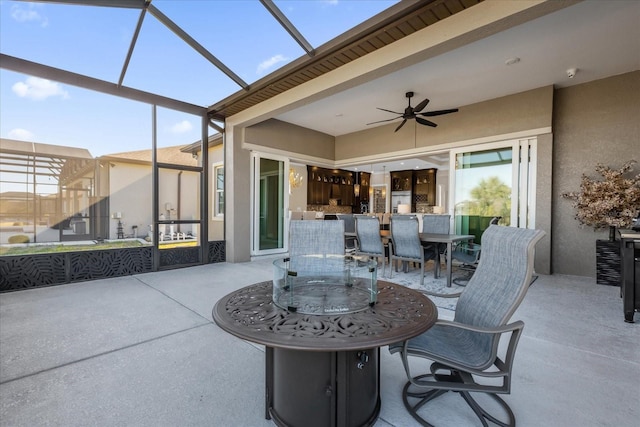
<point x="94" y="41"/>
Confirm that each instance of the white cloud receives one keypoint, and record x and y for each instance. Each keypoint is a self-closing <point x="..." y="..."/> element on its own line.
<point x="270" y="63"/>
<point x="38" y="89"/>
<point x="21" y="14"/>
<point x="182" y="127"/>
<point x="21" y="134"/>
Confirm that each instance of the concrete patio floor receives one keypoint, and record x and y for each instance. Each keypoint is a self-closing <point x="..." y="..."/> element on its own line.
<point x="143" y="351"/>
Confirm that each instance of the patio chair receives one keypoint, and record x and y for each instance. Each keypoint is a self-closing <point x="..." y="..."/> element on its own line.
<point x="468" y="253"/>
<point x="349" y="227"/>
<point x="369" y="242"/>
<point x="464" y="352"/>
<point x="437" y="224"/>
<point x="406" y="246"/>
<point x="316" y="237"/>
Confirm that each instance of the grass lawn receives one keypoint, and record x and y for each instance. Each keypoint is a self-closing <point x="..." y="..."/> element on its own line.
<point x="40" y="249"/>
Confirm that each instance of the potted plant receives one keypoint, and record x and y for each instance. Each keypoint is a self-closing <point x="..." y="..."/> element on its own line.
<point x="613" y="202"/>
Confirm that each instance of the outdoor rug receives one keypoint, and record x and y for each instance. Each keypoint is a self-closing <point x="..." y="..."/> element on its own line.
<point x="432" y="287"/>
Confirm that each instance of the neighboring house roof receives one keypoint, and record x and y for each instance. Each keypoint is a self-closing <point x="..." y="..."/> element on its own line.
<point x="52" y="157"/>
<point x="64" y="163"/>
<point x="171" y="155"/>
<point x="214" y="140"/>
<point x="42" y="150"/>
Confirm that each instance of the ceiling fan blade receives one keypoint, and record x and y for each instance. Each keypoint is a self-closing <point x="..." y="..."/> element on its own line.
<point x="401" y="124"/>
<point x="421" y="106"/>
<point x="439" y="112"/>
<point x="380" y="121"/>
<point x="425" y="122"/>
<point x="388" y="111"/>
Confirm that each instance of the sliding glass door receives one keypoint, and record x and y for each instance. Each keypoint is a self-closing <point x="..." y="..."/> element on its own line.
<point x="493" y="180"/>
<point x="270" y="203"/>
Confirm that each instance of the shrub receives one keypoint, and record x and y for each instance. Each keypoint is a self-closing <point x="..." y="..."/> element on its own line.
<point x="19" y="238"/>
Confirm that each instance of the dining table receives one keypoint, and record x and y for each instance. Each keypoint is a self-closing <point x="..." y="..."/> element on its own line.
<point x="448" y="239"/>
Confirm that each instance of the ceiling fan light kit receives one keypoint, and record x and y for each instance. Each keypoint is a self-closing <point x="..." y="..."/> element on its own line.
<point x="413" y="113"/>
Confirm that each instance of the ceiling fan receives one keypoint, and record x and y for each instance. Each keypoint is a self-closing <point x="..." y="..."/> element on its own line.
<point x="414" y="112"/>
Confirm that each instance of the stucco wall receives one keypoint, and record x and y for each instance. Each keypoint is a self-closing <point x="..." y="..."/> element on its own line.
<point x="596" y="122"/>
<point x="290" y="138"/>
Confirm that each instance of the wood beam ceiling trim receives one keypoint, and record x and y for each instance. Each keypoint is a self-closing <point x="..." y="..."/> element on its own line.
<point x="455" y="7"/>
<point x="441" y="11"/>
<point x="416" y="23"/>
<point x="394" y="33"/>
<point x="339" y="60"/>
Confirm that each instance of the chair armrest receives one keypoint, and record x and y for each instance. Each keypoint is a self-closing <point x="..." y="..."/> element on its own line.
<point x="518" y="324"/>
<point x="503" y="365"/>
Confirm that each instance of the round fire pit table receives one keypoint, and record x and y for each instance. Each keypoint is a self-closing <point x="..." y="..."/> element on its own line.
<point x="323" y="370"/>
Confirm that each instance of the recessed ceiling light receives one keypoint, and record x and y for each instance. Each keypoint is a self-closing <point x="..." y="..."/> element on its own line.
<point x="339" y="115"/>
<point x="512" y="61"/>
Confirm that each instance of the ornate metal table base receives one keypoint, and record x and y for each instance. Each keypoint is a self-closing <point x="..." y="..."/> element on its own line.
<point x="305" y="388"/>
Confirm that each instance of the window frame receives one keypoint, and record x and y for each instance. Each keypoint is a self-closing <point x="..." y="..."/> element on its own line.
<point x="217" y="213"/>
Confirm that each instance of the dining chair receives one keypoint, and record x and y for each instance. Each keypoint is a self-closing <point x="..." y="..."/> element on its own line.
<point x="468" y="254"/>
<point x="369" y="241"/>
<point x="384" y="225"/>
<point x="436" y="224"/>
<point x="406" y="246"/>
<point x="402" y="216"/>
<point x="349" y="227"/>
<point x="465" y="354"/>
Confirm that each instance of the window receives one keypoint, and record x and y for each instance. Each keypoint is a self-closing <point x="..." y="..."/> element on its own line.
<point x="218" y="188"/>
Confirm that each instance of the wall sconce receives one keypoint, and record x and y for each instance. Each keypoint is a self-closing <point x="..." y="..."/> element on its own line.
<point x="295" y="179"/>
<point x="356" y="190"/>
<point x="384" y="177"/>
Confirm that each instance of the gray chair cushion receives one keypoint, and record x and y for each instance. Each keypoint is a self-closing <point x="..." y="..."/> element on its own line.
<point x="439" y="224"/>
<point x="406" y="240"/>
<point x="368" y="232"/>
<point x="316" y="237"/>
